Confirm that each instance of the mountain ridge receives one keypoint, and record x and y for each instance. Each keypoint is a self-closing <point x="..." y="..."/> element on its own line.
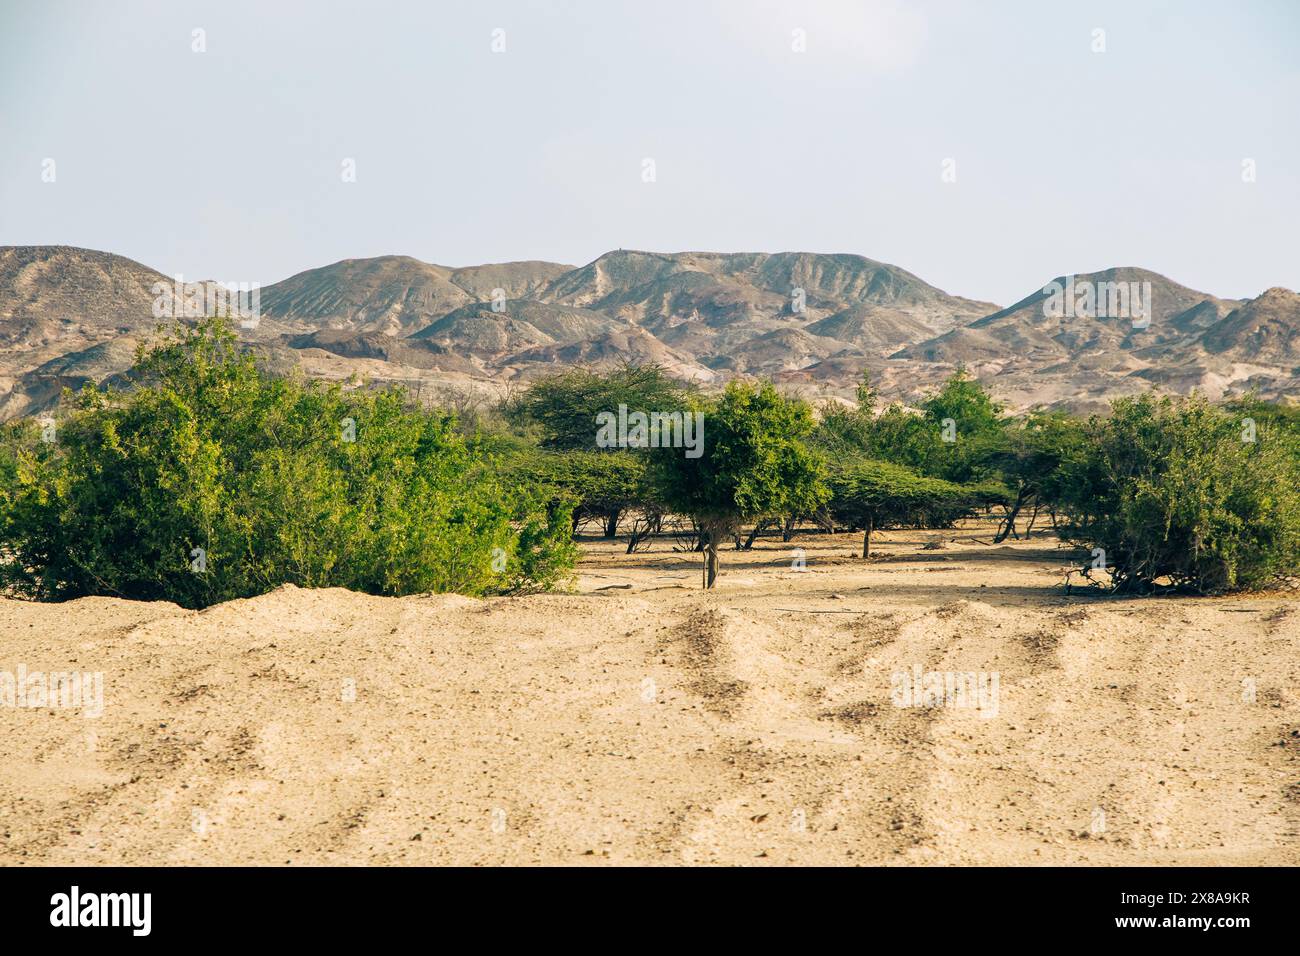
<point x="810" y="321"/>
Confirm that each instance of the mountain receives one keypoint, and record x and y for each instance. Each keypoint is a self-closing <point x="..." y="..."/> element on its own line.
<point x="66" y="317"/>
<point x="1166" y="335"/>
<point x="515" y="279"/>
<point x="482" y="330"/>
<point x="62" y="284"/>
<point x="809" y="321"/>
<point x="662" y="291"/>
<point x="35" y="389"/>
<point x="875" y="328"/>
<point x="1045" y="326"/>
<point x="383" y="348"/>
<point x="626" y="345"/>
<point x="1263" y="331"/>
<point x="781" y="350"/>
<point x="395" y="295"/>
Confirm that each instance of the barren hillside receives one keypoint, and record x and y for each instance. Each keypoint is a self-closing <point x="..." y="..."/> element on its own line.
<point x="811" y="322"/>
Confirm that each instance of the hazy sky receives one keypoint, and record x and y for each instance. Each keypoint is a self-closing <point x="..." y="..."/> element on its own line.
<point x="228" y="164"/>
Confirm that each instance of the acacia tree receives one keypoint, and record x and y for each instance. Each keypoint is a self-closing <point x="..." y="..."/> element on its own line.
<point x="562" y="408"/>
<point x="879" y="494"/>
<point x="754" y="465"/>
<point x="952" y="436"/>
<point x="562" y="414"/>
<point x="599" y="484"/>
<point x="1031" y="460"/>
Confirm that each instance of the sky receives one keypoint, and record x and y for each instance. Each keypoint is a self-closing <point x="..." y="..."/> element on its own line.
<point x="986" y="147"/>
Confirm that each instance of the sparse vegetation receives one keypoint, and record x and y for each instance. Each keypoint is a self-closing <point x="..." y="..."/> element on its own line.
<point x="214" y="480"/>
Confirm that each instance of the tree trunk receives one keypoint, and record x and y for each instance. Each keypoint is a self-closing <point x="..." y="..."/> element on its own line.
<point x="749" y="542"/>
<point x="711" y="534"/>
<point x="866" y="540"/>
<point x="611" y="523"/>
<point x="787" y="530"/>
<point x="1032" y="518"/>
<point x="642" y="529"/>
<point x="1010" y="526"/>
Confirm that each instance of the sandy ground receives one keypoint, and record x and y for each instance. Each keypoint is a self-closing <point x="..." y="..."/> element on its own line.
<point x="658" y="724"/>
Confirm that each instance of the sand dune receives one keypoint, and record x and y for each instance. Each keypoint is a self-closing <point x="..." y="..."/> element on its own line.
<point x="656" y="724"/>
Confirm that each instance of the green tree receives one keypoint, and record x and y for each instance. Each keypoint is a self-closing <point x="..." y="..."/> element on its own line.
<point x="596" y="484"/>
<point x="843" y="432"/>
<point x="562" y="408"/>
<point x="1030" y="460"/>
<point x="954" y="434"/>
<point x="873" y="495"/>
<point x="969" y="426"/>
<point x="867" y="395"/>
<point x="755" y="464"/>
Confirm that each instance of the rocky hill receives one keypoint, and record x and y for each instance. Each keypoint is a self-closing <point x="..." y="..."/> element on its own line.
<point x="811" y="322"/>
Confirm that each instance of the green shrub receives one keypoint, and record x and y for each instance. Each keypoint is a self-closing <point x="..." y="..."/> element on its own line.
<point x="213" y="481"/>
<point x="1175" y="497"/>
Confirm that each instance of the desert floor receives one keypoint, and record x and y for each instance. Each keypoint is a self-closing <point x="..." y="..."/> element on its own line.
<point x="650" y="722"/>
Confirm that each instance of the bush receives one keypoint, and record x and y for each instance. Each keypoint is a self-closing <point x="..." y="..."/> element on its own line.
<point x="214" y="481"/>
<point x="1175" y="497"/>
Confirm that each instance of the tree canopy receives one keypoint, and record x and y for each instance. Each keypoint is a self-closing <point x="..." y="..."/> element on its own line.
<point x="562" y="408"/>
<point x="755" y="464"/>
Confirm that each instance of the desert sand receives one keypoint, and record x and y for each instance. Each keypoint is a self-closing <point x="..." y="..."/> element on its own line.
<point x="640" y="720"/>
